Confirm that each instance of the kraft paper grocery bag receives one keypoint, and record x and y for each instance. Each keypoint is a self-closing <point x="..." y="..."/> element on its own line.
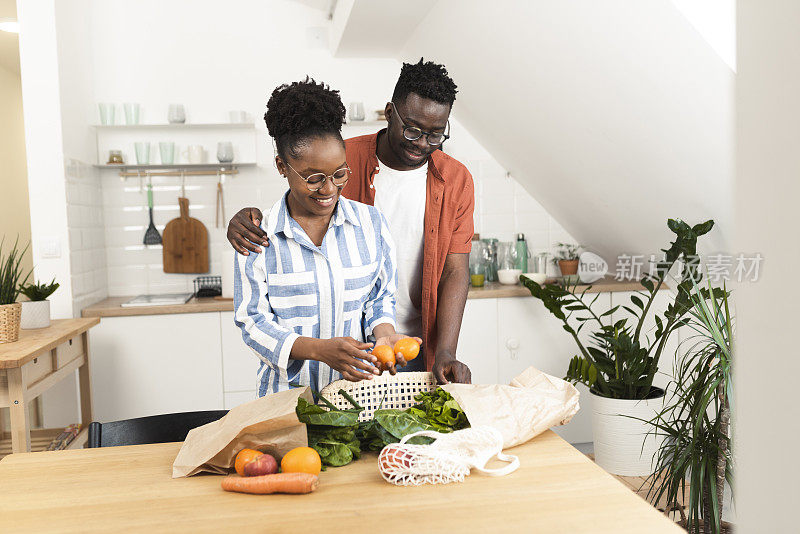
<point x="268" y="424"/>
<point x="532" y="403"/>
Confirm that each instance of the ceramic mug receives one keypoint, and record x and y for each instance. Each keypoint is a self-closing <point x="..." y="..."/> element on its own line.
<point x="195" y="154"/>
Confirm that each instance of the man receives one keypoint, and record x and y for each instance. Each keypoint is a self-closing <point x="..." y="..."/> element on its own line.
<point x="427" y="198"/>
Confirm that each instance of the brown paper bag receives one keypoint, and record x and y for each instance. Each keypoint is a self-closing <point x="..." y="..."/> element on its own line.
<point x="532" y="403"/>
<point x="268" y="424"/>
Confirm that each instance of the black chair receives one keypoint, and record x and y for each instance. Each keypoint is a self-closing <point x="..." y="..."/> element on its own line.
<point x="153" y="429"/>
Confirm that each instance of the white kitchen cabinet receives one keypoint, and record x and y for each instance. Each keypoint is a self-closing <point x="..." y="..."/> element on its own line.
<point x="235" y="398"/>
<point x="528" y="334"/>
<point x="239" y="362"/>
<point x="477" y="341"/>
<point x="154" y="364"/>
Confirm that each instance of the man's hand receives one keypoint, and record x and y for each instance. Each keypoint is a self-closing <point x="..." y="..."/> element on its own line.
<point x="244" y="231"/>
<point x="447" y="369"/>
<point x="390" y="340"/>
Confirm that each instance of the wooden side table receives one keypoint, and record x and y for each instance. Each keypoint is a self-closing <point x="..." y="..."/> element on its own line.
<point x="36" y="362"/>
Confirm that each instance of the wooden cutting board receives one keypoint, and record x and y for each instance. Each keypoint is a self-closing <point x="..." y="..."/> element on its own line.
<point x="185" y="243"/>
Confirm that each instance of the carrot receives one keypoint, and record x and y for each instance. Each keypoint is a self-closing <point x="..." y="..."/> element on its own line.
<point x="276" y="483"/>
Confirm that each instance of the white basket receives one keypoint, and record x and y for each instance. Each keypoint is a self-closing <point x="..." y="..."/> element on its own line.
<point x="396" y="392"/>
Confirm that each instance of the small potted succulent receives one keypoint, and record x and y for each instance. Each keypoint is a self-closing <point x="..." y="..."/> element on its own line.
<point x="567" y="256"/>
<point x="36" y="312"/>
<point x="11" y="279"/>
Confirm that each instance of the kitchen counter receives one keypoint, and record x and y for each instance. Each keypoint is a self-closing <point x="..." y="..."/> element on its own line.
<point x="494" y="290"/>
<point x="110" y="307"/>
<point x="556" y="489"/>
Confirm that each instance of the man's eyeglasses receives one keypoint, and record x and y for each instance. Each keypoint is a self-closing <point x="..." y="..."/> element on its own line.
<point x="315" y="181"/>
<point x="412" y="133"/>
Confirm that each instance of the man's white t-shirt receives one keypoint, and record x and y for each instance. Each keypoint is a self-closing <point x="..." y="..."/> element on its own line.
<point x="400" y="195"/>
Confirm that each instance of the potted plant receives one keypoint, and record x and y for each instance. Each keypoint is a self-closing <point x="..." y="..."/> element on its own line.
<point x="619" y="363"/>
<point x="10" y="281"/>
<point x="36" y="311"/>
<point x="695" y="422"/>
<point x="567" y="256"/>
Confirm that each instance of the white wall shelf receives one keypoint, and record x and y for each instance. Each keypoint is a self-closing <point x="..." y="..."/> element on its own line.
<point x="185" y="169"/>
<point x="379" y="124"/>
<point x="178" y="126"/>
<point x="176" y="166"/>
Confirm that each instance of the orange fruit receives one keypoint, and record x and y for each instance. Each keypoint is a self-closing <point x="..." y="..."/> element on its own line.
<point x="384" y="354"/>
<point x="301" y="460"/>
<point x="408" y="347"/>
<point x="244" y="457"/>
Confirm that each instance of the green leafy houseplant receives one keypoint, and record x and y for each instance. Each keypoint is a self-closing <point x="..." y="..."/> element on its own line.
<point x="39" y="291"/>
<point x="621" y="360"/>
<point x="695" y="422"/>
<point x="567" y="251"/>
<point x="11" y="276"/>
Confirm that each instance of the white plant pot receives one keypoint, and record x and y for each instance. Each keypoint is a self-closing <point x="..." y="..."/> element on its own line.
<point x="622" y="445"/>
<point x="35" y="314"/>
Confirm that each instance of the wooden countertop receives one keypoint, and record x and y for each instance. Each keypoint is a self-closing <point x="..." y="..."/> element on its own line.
<point x="493" y="290"/>
<point x="556" y="489"/>
<point x="31" y="343"/>
<point x="110" y="307"/>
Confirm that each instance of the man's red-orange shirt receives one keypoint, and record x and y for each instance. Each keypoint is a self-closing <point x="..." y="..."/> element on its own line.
<point x="448" y="226"/>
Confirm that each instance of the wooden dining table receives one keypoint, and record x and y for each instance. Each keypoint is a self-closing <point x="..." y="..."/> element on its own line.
<point x="113" y="489"/>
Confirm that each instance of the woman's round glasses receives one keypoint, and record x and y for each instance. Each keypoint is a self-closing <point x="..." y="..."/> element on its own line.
<point x="315" y="181"/>
<point x="412" y="133"/>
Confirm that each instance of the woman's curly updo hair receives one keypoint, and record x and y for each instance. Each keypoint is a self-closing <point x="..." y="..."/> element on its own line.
<point x="299" y="111"/>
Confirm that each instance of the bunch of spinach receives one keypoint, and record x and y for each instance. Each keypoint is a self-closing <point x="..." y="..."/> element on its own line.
<point x="332" y="433"/>
<point x="440" y="410"/>
<point x="389" y="426"/>
<point x="339" y="437"/>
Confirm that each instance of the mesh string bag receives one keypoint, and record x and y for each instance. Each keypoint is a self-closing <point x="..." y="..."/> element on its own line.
<point x="448" y="459"/>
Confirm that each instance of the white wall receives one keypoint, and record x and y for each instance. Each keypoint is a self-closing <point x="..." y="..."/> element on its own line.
<point x="614" y="115"/>
<point x="767" y="190"/>
<point x="15" y="218"/>
<point x="83" y="184"/>
<point x="39" y="67"/>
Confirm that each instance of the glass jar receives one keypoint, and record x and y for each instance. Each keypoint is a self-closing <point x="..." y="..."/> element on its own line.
<point x="115" y="157"/>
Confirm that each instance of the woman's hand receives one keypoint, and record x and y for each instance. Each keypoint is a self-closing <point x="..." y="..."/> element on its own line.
<point x="244" y="231"/>
<point x="347" y="356"/>
<point x="390" y="340"/>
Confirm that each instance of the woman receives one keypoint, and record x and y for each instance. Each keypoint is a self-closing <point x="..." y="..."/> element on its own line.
<point x="326" y="283"/>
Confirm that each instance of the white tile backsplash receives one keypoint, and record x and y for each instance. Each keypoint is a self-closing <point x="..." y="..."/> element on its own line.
<point x="88" y="266"/>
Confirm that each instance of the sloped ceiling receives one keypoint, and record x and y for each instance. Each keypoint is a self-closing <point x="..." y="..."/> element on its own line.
<point x="614" y="115"/>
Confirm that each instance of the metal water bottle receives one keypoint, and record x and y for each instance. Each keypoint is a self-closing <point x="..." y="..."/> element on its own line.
<point x="522" y="253"/>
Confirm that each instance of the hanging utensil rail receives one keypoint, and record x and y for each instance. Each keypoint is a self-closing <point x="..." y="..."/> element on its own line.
<point x="211" y="172"/>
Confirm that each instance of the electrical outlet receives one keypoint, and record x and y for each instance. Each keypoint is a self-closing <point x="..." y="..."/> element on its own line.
<point x="50" y="247"/>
